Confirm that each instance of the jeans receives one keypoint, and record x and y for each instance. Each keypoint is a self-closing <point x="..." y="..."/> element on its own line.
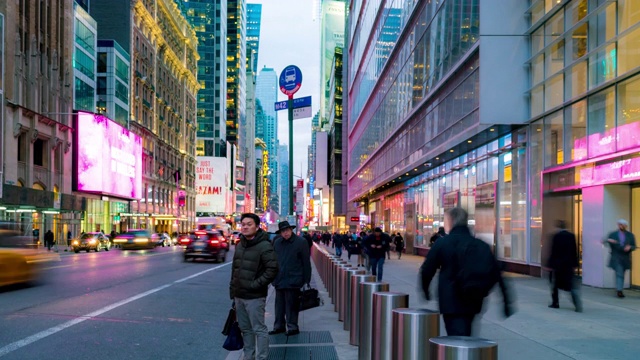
<point x="376" y="266"/>
<point x="250" y="314"/>
<point x="339" y="250"/>
<point x="619" y="276"/>
<point x="287" y="301"/>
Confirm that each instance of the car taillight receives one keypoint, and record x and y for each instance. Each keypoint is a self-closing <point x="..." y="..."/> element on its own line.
<point x="184" y="241"/>
<point x="215" y="242"/>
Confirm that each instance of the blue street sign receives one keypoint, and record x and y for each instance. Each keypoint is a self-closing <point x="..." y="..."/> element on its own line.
<point x="297" y="103"/>
<point x="290" y="80"/>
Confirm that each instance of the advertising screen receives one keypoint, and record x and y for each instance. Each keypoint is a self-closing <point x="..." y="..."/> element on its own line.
<point x="108" y="158"/>
<point x="212" y="185"/>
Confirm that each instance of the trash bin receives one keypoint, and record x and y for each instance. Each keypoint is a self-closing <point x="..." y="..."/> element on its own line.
<point x="354" y="324"/>
<point x="382" y="326"/>
<point x="462" y="348"/>
<point x="411" y="328"/>
<point x="366" y="290"/>
<point x="347" y="301"/>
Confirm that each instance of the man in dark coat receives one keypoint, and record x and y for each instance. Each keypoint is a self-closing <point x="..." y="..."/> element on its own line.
<point x="563" y="261"/>
<point x="622" y="243"/>
<point x="399" y="243"/>
<point x="457" y="312"/>
<point x="254" y="267"/>
<point x="48" y="240"/>
<point x="295" y="271"/>
<point x="337" y="243"/>
<point x="377" y="245"/>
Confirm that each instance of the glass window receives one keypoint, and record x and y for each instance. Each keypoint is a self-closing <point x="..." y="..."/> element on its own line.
<point x="575" y="12"/>
<point x="575" y="119"/>
<point x="537" y="100"/>
<point x="628" y="125"/>
<point x="537" y="70"/>
<point x="554" y="139"/>
<point x="537" y="12"/>
<point x="577" y="43"/>
<point x="555" y="58"/>
<point x="628" y="14"/>
<point x="628" y="47"/>
<point x="576" y="80"/>
<point x="602" y="65"/>
<point x="554" y="27"/>
<point x="536" y="155"/>
<point x="601" y="123"/>
<point x="602" y="27"/>
<point x="537" y="40"/>
<point x="553" y="92"/>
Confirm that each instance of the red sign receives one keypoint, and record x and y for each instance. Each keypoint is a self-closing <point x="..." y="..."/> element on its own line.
<point x="355" y="218"/>
<point x="300" y="184"/>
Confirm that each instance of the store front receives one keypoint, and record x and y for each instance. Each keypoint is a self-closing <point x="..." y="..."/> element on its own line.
<point x="104" y="214"/>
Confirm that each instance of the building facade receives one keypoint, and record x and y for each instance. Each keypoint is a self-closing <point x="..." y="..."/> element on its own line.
<point x="455" y="130"/>
<point x="283" y="177"/>
<point x="254" y="19"/>
<point x="163" y="107"/>
<point x="337" y="190"/>
<point x="84" y="60"/>
<point x="112" y="81"/>
<point x="267" y="94"/>
<point x="37" y="122"/>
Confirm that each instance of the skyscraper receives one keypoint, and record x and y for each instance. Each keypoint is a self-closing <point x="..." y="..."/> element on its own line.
<point x="236" y="74"/>
<point x="254" y="15"/>
<point x="267" y="93"/>
<point x="208" y="19"/>
<point x="283" y="176"/>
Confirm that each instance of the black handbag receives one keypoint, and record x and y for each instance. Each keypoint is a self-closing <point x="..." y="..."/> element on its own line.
<point x="234" y="339"/>
<point x="309" y="299"/>
<point x="230" y="319"/>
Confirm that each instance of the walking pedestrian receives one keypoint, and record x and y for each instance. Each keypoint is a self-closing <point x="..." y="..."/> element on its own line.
<point x="48" y="239"/>
<point x="622" y="243"/>
<point x="295" y="270"/>
<point x="377" y="246"/>
<point x="337" y="243"/>
<point x="468" y="271"/>
<point x="437" y="235"/>
<point x="563" y="260"/>
<point x="399" y="243"/>
<point x="69" y="236"/>
<point x="254" y="267"/>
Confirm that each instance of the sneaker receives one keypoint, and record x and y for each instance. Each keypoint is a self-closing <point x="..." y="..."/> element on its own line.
<point x="293" y="332"/>
<point x="620" y="294"/>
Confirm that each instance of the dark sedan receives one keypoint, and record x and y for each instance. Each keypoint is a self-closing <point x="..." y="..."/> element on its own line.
<point x="91" y="241"/>
<point x="135" y="239"/>
<point x="206" y="244"/>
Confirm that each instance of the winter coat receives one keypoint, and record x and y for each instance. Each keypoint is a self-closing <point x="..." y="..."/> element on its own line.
<point x="376" y="253"/>
<point x="442" y="255"/>
<point x="294" y="263"/>
<point x="564" y="258"/>
<point x="399" y="242"/>
<point x="254" y="267"/>
<point x="618" y="255"/>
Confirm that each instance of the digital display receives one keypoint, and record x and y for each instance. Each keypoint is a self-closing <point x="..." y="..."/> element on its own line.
<point x="108" y="158"/>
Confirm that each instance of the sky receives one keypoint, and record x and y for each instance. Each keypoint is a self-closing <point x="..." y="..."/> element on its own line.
<point x="289" y="35"/>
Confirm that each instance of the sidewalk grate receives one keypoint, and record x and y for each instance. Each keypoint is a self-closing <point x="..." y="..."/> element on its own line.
<point x="303" y="353"/>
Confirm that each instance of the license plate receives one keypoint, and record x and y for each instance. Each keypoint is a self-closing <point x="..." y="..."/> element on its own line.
<point x="198" y="246"/>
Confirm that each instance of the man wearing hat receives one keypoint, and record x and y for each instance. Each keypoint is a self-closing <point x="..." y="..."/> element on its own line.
<point x="622" y="243"/>
<point x="295" y="271"/>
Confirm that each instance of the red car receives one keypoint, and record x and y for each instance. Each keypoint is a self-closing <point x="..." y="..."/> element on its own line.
<point x="206" y="244"/>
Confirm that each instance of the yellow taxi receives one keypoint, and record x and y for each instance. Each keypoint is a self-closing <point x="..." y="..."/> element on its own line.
<point x="19" y="263"/>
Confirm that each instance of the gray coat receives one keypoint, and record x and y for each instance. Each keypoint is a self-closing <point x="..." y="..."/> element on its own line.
<point x="293" y="258"/>
<point x="618" y="255"/>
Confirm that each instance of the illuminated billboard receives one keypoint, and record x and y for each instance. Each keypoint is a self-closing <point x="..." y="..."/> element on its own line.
<point x="107" y="158"/>
<point x="212" y="185"/>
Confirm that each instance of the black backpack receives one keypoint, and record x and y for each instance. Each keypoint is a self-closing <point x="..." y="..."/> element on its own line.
<point x="476" y="270"/>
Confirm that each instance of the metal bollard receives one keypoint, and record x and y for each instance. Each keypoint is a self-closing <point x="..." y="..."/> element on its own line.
<point x="347" y="296"/>
<point x="462" y="348"/>
<point x="334" y="281"/>
<point x="411" y="327"/>
<point x="354" y="324"/>
<point x="382" y="327"/>
<point x="366" y="290"/>
<point x="340" y="290"/>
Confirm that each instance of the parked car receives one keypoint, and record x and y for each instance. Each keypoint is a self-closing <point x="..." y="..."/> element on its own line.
<point x="235" y="238"/>
<point x="206" y="244"/>
<point x="135" y="239"/>
<point x="91" y="241"/>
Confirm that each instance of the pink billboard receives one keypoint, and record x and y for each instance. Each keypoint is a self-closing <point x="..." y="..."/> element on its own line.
<point x="108" y="157"/>
<point x="619" y="138"/>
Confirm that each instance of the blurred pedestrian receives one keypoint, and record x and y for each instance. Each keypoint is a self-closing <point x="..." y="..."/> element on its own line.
<point x="69" y="237"/>
<point x="622" y="243"/>
<point x="437" y="235"/>
<point x="295" y="271"/>
<point x="563" y="261"/>
<point x="48" y="239"/>
<point x="468" y="271"/>
<point x="377" y="246"/>
<point x="254" y="267"/>
<point x="337" y="243"/>
<point x="399" y="243"/>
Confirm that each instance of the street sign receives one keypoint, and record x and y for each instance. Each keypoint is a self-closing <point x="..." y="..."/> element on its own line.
<point x="297" y="103"/>
<point x="300" y="184"/>
<point x="302" y="113"/>
<point x="290" y="80"/>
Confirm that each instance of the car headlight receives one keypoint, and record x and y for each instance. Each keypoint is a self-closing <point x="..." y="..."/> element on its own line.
<point x="75" y="242"/>
<point x="92" y="241"/>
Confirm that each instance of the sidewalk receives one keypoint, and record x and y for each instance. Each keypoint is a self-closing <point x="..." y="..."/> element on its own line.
<point x="609" y="327"/>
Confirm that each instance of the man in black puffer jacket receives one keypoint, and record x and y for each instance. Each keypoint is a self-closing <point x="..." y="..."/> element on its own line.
<point x="254" y="267"/>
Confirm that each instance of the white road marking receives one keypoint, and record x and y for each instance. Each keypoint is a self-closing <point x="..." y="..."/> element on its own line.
<point x="43" y="334"/>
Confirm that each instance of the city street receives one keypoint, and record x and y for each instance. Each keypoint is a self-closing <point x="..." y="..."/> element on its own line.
<point x="118" y="305"/>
